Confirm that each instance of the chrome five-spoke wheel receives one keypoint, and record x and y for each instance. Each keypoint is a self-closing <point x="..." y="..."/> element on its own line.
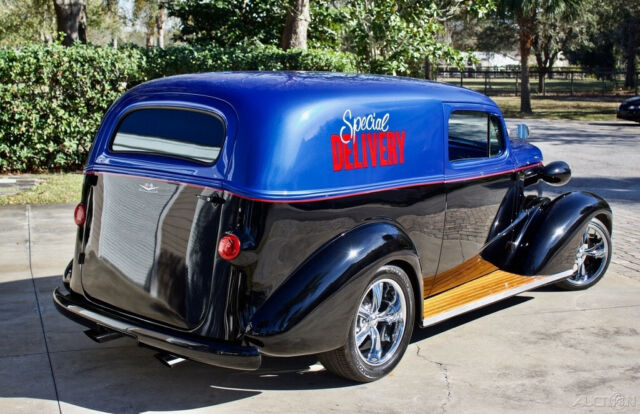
<point x="380" y="322"/>
<point x="592" y="258"/>
<point x="380" y="330"/>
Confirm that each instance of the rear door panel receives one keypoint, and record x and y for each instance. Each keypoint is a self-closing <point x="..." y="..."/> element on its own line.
<point x="151" y="248"/>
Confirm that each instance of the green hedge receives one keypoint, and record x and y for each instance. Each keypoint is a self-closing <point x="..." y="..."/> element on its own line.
<point x="189" y="59"/>
<point x="52" y="98"/>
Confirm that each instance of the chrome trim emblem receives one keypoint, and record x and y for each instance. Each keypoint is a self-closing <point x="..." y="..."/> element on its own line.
<point x="148" y="188"/>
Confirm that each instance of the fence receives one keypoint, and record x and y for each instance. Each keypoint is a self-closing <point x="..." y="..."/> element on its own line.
<point x="557" y="82"/>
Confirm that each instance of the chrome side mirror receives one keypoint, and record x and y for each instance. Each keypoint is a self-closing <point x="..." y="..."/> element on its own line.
<point x="522" y="131"/>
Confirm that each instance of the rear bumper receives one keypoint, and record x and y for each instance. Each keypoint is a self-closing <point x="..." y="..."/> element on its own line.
<point x="218" y="353"/>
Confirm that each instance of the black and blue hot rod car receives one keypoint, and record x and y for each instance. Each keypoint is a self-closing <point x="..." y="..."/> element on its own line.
<point x="227" y="216"/>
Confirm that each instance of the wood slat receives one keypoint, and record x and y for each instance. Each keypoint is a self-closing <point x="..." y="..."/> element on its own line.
<point x="465" y="272"/>
<point x="493" y="283"/>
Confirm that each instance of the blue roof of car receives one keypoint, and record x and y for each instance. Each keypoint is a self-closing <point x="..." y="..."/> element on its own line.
<point x="259" y="85"/>
<point x="288" y="132"/>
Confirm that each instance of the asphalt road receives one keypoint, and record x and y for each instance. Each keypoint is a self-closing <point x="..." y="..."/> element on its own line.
<point x="543" y="351"/>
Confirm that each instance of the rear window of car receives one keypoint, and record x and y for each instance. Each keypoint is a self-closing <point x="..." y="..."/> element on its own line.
<point x="474" y="134"/>
<point x="187" y="134"/>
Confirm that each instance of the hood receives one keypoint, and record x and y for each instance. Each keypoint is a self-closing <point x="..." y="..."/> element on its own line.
<point x="525" y="153"/>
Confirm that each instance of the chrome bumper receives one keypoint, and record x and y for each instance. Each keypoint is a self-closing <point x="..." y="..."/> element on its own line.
<point x="206" y="351"/>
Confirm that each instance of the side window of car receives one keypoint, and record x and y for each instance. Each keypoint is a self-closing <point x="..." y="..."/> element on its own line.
<point x="474" y="134"/>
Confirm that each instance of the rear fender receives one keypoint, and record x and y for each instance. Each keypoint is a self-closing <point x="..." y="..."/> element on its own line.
<point x="311" y="312"/>
<point x="544" y="239"/>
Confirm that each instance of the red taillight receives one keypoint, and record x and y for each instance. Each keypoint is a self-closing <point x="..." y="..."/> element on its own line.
<point x="80" y="214"/>
<point x="229" y="247"/>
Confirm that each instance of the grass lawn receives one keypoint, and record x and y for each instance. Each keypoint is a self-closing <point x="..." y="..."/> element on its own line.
<point x="574" y="109"/>
<point x="56" y="188"/>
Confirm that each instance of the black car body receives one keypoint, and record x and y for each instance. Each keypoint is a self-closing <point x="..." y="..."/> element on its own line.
<point x="629" y="110"/>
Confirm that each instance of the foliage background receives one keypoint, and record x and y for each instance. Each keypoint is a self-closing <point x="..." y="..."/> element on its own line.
<point x="52" y="98"/>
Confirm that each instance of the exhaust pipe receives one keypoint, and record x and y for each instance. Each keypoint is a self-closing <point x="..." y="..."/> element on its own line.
<point x="169" y="360"/>
<point x="102" y="335"/>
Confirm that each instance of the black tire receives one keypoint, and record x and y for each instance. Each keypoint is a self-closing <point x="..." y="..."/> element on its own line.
<point x="349" y="361"/>
<point x="596" y="266"/>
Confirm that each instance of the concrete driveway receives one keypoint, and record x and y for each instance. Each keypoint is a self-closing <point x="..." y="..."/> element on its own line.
<point x="544" y="351"/>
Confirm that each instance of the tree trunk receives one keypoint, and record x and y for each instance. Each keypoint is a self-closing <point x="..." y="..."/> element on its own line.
<point x="552" y="61"/>
<point x="161" y="19"/>
<point x="71" y="19"/>
<point x="296" y="25"/>
<point x="112" y="8"/>
<point x="150" y="36"/>
<point x="541" y="74"/>
<point x="45" y="35"/>
<point x="427" y="68"/>
<point x="631" y="51"/>
<point x="542" y="69"/>
<point x="526" y="35"/>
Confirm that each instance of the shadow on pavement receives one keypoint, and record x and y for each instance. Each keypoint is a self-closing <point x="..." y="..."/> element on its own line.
<point x="616" y="124"/>
<point x="119" y="376"/>
<point x="613" y="189"/>
<point x="425" y="333"/>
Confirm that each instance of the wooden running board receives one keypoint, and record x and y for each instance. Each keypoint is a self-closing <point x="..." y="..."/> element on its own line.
<point x="487" y="289"/>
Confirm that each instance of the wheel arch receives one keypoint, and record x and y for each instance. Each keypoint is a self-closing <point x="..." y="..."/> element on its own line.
<point x="416" y="286"/>
<point x="607" y="220"/>
<point x="544" y="240"/>
<point x="312" y="310"/>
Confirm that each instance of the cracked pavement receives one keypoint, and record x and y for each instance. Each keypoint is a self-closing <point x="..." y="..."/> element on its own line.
<point x="445" y="376"/>
<point x="543" y="351"/>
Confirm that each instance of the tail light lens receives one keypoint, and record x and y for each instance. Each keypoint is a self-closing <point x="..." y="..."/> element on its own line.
<point x="80" y="214"/>
<point x="229" y="247"/>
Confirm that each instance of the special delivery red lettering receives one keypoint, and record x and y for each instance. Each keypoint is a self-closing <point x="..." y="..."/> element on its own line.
<point x="374" y="149"/>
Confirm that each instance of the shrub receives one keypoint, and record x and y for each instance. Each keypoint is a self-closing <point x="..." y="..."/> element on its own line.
<point x="190" y="59"/>
<point x="52" y="98"/>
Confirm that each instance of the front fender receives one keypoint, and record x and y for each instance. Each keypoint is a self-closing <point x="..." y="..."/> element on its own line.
<point x="544" y="240"/>
<point x="312" y="310"/>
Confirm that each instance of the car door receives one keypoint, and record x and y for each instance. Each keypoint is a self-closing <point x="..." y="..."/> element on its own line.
<point x="478" y="175"/>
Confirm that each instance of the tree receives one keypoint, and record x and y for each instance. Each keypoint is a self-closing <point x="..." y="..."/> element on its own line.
<point x="152" y="15"/>
<point x="630" y="38"/>
<point x="296" y="25"/>
<point x="29" y="21"/>
<point x="560" y="32"/>
<point x="326" y="26"/>
<point x="24" y="21"/>
<point x="487" y="34"/>
<point x="403" y="37"/>
<point x="161" y="21"/>
<point x="613" y="38"/>
<point x="390" y="36"/>
<point x="71" y="19"/>
<point x="230" y="22"/>
<point x="113" y="17"/>
<point x="526" y="14"/>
